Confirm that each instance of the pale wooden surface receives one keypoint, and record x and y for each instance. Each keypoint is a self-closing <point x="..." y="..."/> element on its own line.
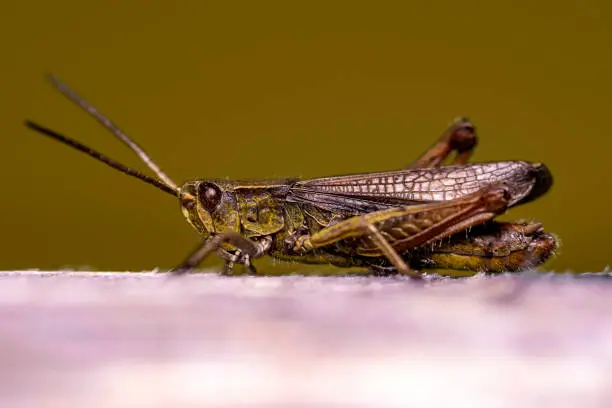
<point x="143" y="340"/>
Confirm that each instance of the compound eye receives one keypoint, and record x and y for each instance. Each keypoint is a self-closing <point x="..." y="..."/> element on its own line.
<point x="209" y="195"/>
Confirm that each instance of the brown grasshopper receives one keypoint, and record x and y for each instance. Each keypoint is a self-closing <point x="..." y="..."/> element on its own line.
<point x="429" y="215"/>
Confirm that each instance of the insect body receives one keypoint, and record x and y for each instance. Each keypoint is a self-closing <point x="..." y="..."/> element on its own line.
<point x="426" y="216"/>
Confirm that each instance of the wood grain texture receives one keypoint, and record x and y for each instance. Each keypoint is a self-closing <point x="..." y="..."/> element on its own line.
<point x="143" y="339"/>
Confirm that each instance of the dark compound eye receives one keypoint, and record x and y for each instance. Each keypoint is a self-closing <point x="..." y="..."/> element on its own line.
<point x="209" y="195"/>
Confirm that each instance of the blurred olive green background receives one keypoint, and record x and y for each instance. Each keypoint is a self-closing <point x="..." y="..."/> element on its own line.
<point x="273" y="89"/>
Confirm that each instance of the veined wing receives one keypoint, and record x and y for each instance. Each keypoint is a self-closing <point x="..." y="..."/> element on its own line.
<point x="362" y="193"/>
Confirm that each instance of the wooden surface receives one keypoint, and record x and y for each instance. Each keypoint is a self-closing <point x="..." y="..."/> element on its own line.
<point x="146" y="340"/>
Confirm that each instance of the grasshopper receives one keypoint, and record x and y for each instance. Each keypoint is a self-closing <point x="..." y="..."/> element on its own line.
<point x="428" y="215"/>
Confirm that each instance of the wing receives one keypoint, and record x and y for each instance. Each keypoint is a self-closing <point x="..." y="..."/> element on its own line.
<point x="363" y="193"/>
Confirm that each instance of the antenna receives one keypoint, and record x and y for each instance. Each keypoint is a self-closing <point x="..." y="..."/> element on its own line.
<point x="170" y="189"/>
<point x="108" y="124"/>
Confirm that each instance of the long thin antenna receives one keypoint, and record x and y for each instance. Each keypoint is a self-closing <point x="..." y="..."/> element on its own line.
<point x="104" y="159"/>
<point x="108" y="124"/>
